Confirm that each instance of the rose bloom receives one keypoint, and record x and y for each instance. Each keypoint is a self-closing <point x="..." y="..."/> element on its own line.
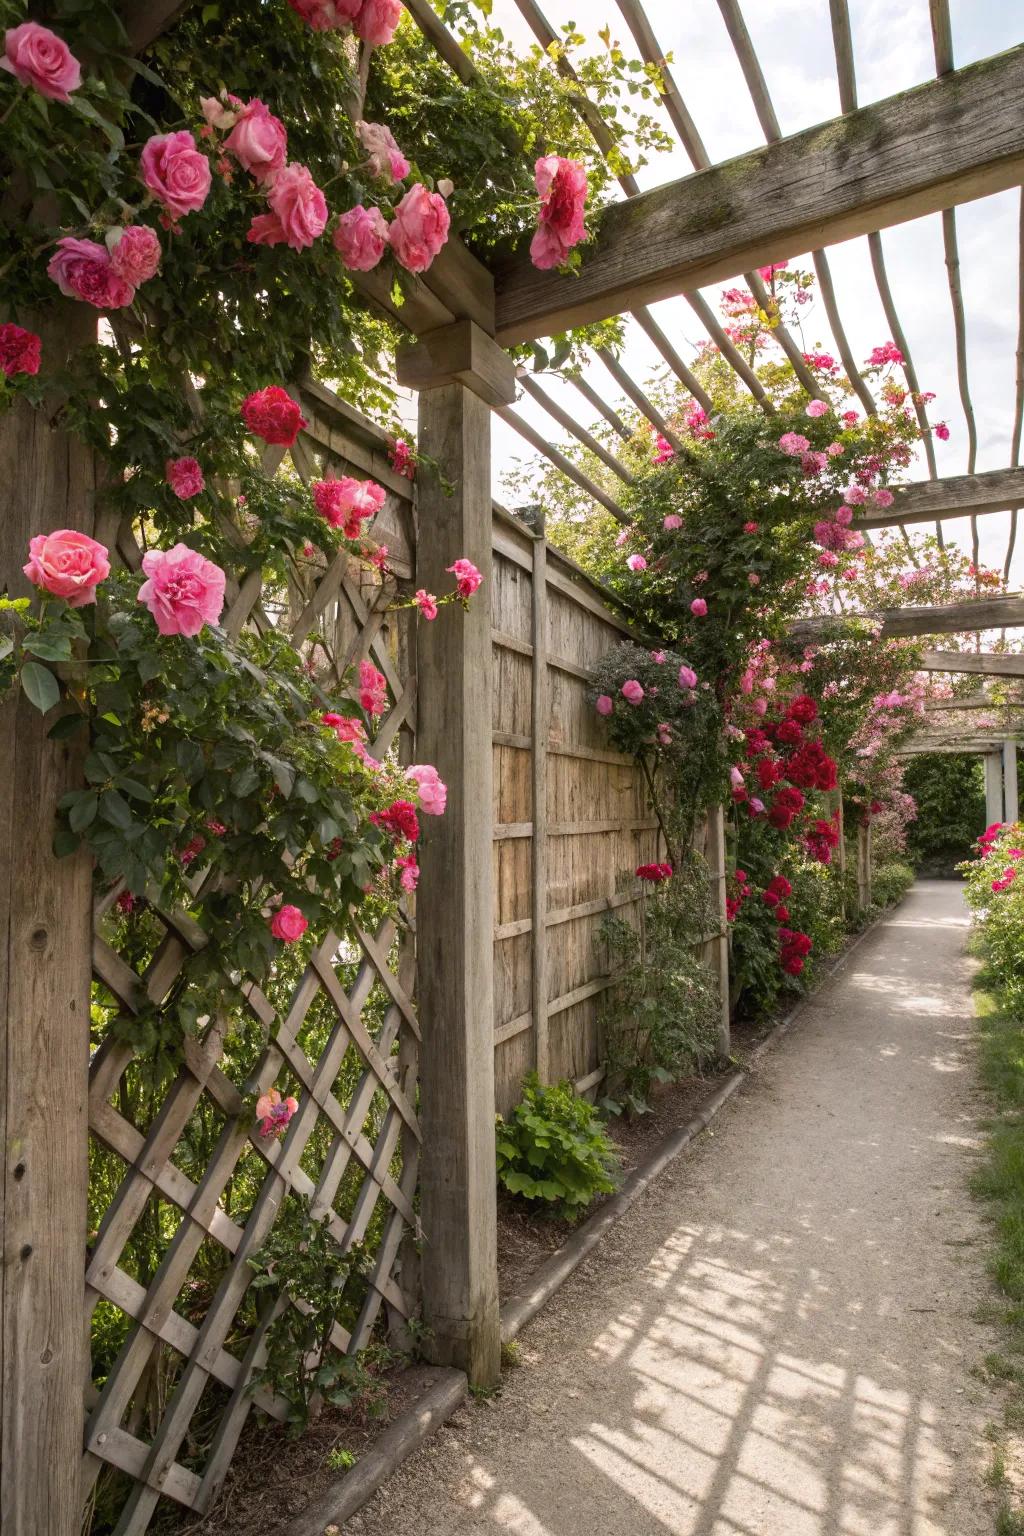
<point x="176" y="171"/>
<point x="750" y="527"/>
<point x="794" y="444"/>
<point x="637" y="563"/>
<point x="671" y="522"/>
<point x="258" y="141"/>
<point x="377" y="21"/>
<point x="687" y="677"/>
<point x="20" y="350"/>
<point x="68" y="564"/>
<point x="433" y="793"/>
<point x="288" y="924"/>
<point x="82" y="270"/>
<point x="467" y="578"/>
<point x="361" y="237"/>
<point x="184" y="590"/>
<point x="298" y="211"/>
<point x="884" y="498"/>
<point x="38" y="57"/>
<point x="383" y="156"/>
<point x="420" y="228"/>
<point x="562" y="185"/>
<point x="818" y="408"/>
<point x="408" y="871"/>
<point x="274" y="1113"/>
<point x="426" y="602"/>
<point x="185" y="477"/>
<point x="604" y="704"/>
<point x="698" y="607"/>
<point x="327" y="15"/>
<point x="272" y="414"/>
<point x="632" y="692"/>
<point x="348" y="503"/>
<point x="134" y="253"/>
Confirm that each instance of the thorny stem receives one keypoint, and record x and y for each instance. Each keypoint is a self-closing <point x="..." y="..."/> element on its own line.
<point x="657" y="811"/>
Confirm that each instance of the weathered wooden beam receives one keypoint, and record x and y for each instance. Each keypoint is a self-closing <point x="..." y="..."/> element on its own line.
<point x="460" y="353"/>
<point x="997" y="490"/>
<point x="942" y="143"/>
<point x="949" y="748"/>
<point x="975" y="701"/>
<point x="987" y="663"/>
<point x="943" y="619"/>
<point x="455" y="910"/>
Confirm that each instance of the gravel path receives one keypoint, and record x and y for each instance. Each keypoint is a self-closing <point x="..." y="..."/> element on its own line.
<point x="777" y="1340"/>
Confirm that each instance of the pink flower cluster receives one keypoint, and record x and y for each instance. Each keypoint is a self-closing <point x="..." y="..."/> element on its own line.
<point x="654" y="874"/>
<point x="347" y="503"/>
<point x="373" y="689"/>
<point x="467" y="578"/>
<point x="273" y="415"/>
<point x="274" y="1113"/>
<point x="432" y="791"/>
<point x="20" y="350"/>
<point x="375" y="21"/>
<point x="562" y="187"/>
<point x="417" y="233"/>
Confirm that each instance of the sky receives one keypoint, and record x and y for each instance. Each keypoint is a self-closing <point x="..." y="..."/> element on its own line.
<point x="893" y="50"/>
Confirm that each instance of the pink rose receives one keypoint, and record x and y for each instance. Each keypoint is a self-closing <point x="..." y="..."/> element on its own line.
<point x="176" y="171"/>
<point x="348" y="503"/>
<point x="467" y="578"/>
<point x="288" y="924"/>
<point x="884" y="498"/>
<point x="327" y="15"/>
<point x="298" y="211"/>
<point x="637" y="563"/>
<point x="604" y="704"/>
<point x="672" y="522"/>
<point x="38" y="57"/>
<point x="855" y="495"/>
<point x="272" y="414"/>
<point x="562" y="185"/>
<point x="216" y="114"/>
<point x="377" y="21"/>
<point x="818" y="408"/>
<point x="632" y="691"/>
<point x="942" y="432"/>
<point x="409" y="872"/>
<point x="185" y="477"/>
<point x="184" y="590"/>
<point x="433" y="793"/>
<point x="134" y="253"/>
<point x="67" y="564"/>
<point x="420" y="228"/>
<point x="426" y="602"/>
<point x="698" y="607"/>
<point x="794" y="443"/>
<point x="687" y="677"/>
<point x="258" y="141"/>
<point x="361" y="237"/>
<point x="82" y="270"/>
<point x="383" y="156"/>
<point x="20" y="350"/>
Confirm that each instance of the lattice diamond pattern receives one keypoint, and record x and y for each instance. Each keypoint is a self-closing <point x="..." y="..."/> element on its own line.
<point x="170" y="1411"/>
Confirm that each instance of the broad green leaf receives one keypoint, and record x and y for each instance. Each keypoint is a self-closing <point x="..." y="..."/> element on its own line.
<point x="39" y="686"/>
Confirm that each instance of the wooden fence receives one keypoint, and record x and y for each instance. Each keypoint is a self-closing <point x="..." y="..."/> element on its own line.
<point x="184" y="1192"/>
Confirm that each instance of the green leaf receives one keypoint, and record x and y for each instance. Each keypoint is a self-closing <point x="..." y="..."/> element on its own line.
<point x="39" y="686"/>
<point x="85" y="109"/>
<point x="83" y="812"/>
<point x="65" y="842"/>
<point x="49" y="647"/>
<point x="66" y="726"/>
<point x="135" y="789"/>
<point x="6" y="647"/>
<point x="115" y="809"/>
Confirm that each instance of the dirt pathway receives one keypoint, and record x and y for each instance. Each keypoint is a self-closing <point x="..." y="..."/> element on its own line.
<point x="777" y="1340"/>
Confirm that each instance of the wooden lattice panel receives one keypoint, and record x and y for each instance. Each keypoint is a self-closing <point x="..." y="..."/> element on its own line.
<point x="167" y="1410"/>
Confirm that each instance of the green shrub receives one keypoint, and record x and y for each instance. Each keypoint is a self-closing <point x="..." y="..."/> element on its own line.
<point x="890" y="883"/>
<point x="555" y="1149"/>
<point x="950" y="794"/>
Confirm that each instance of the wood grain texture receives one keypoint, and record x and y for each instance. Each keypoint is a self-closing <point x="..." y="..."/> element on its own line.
<point x="968" y="617"/>
<point x="985" y="663"/>
<point x="927" y="149"/>
<point x="997" y="490"/>
<point x="45" y="975"/>
<point x="454" y="934"/>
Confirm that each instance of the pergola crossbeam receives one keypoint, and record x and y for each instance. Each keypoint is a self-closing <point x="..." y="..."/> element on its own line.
<point x="985" y="663"/>
<point x="968" y="617"/>
<point x="927" y="149"/>
<point x="997" y="490"/>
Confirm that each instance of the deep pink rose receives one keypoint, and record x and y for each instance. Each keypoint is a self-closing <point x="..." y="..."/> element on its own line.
<point x="176" y="172"/>
<point x="562" y="185"/>
<point x="698" y="607"/>
<point x="383" y="156"/>
<point x="68" y="564"/>
<point x="299" y="207"/>
<point x="377" y="21"/>
<point x="426" y="602"/>
<point x="420" y="228"/>
<point x="361" y="237"/>
<point x="687" y="677"/>
<point x="348" y="503"/>
<point x="184" y="590"/>
<point x="272" y="414"/>
<point x="20" y="350"/>
<point x="258" y="141"/>
<point x="288" y="924"/>
<point x="82" y="269"/>
<point x="185" y="477"/>
<point x="467" y="578"/>
<point x="327" y="15"/>
<point x="605" y="705"/>
<point x="632" y="691"/>
<point x="135" y="255"/>
<point x="433" y="792"/>
<point x="38" y="57"/>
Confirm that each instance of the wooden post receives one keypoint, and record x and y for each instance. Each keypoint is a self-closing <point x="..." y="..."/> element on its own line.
<point x="46" y="934"/>
<point x="1011" y="800"/>
<point x="865" y="839"/>
<point x="720" y="947"/>
<point x="455" y="910"/>
<point x="541" y="725"/>
<point x="993" y="787"/>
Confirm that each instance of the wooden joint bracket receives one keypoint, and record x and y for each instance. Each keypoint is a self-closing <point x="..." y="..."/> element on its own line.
<point x="460" y="353"/>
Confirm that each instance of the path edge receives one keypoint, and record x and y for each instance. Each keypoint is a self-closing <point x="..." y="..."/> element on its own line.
<point x="451" y="1388"/>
